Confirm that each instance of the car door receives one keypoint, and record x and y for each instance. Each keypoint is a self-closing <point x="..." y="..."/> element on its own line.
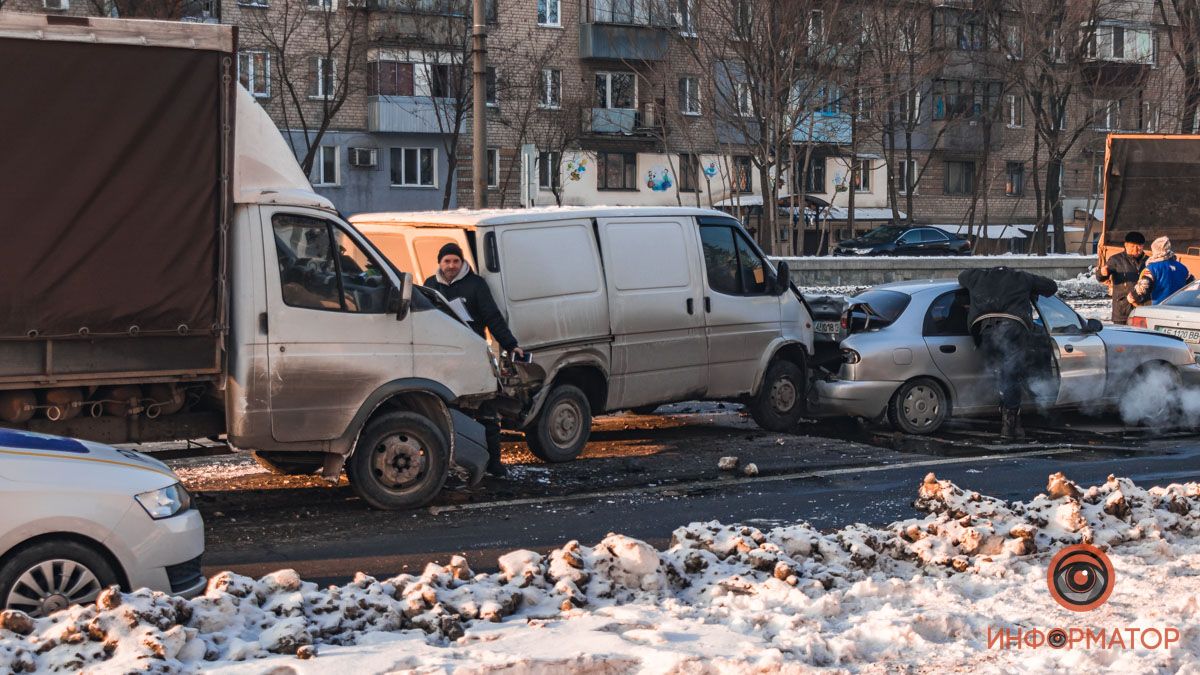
<point x="659" y="348"/>
<point x="742" y="315"/>
<point x="934" y="242"/>
<point x="909" y="243"/>
<point x="1081" y="357"/>
<point x="331" y="342"/>
<point x="953" y="350"/>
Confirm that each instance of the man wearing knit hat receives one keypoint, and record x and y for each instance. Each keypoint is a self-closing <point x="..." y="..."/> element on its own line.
<point x="1162" y="276"/>
<point x="455" y="280"/>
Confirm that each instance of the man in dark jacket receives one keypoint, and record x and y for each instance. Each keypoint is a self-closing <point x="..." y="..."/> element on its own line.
<point x="1122" y="271"/>
<point x="1001" y="318"/>
<point x="455" y="280"/>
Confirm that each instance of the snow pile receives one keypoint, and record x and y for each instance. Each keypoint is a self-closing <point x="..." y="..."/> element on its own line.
<point x="1083" y="287"/>
<point x="728" y="597"/>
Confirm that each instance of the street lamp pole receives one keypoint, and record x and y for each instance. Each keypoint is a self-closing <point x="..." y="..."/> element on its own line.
<point x="479" y="107"/>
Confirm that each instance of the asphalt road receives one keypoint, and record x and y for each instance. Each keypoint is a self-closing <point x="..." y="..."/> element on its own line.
<point x="644" y="476"/>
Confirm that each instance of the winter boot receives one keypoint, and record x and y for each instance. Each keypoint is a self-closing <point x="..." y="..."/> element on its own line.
<point x="1010" y="425"/>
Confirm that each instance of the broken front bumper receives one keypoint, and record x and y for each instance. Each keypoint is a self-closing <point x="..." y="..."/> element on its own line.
<point x="470" y="446"/>
<point x="856" y="399"/>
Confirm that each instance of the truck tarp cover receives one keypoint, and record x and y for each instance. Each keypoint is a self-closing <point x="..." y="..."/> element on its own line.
<point x="109" y="189"/>
<point x="1153" y="187"/>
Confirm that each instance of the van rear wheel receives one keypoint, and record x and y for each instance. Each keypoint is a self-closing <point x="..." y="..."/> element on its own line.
<point x="563" y="426"/>
<point x="400" y="462"/>
<point x="779" y="403"/>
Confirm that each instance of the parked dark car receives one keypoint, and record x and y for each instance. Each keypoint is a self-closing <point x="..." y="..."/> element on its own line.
<point x="901" y="240"/>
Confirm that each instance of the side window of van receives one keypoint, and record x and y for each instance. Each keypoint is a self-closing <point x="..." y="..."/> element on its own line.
<point x="733" y="266"/>
<point x="321" y="267"/>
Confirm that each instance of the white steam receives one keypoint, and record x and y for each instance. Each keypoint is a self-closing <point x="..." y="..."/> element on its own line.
<point x="1157" y="399"/>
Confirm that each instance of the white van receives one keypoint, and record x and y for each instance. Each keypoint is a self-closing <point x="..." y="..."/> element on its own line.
<point x="624" y="308"/>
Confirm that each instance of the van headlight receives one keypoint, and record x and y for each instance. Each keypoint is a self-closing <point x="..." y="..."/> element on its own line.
<point x="164" y="503"/>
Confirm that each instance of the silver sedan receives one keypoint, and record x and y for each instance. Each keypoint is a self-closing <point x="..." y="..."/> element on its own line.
<point x="910" y="358"/>
<point x="1178" y="315"/>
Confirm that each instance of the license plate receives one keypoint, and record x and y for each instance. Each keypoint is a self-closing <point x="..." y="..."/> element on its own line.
<point x="1188" y="334"/>
<point x="830" y="327"/>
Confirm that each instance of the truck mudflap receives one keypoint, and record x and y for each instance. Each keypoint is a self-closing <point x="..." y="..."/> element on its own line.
<point x="470" y="446"/>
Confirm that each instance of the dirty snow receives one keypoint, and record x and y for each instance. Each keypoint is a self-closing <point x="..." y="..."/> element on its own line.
<point x="919" y="594"/>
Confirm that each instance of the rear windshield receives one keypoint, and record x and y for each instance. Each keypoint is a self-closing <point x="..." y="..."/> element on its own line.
<point x="888" y="305"/>
<point x="1189" y="296"/>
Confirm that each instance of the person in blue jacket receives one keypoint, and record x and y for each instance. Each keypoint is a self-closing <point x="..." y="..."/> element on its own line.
<point x="1162" y="276"/>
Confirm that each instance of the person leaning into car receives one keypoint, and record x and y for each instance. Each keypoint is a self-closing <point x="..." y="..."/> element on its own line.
<point x="1001" y="320"/>
<point x="1122" y="270"/>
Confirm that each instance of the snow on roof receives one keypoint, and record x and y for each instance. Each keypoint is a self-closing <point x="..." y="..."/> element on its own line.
<point x="865" y="213"/>
<point x="467" y="218"/>
<point x="1005" y="231"/>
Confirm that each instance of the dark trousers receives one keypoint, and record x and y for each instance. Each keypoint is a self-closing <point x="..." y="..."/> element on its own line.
<point x="1004" y="344"/>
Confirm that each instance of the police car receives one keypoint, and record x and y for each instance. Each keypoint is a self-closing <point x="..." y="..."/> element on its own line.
<point x="77" y="517"/>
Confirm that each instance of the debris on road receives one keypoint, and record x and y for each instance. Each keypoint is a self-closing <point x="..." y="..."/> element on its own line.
<point x="750" y="469"/>
<point x="727" y="463"/>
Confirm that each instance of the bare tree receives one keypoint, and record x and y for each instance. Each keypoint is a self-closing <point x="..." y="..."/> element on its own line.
<point x="1182" y="18"/>
<point x="317" y="50"/>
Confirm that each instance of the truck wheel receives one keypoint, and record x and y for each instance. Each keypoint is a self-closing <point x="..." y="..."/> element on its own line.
<point x="400" y="462"/>
<point x="280" y="464"/>
<point x="52" y="575"/>
<point x="780" y="401"/>
<point x="919" y="407"/>
<point x="563" y="426"/>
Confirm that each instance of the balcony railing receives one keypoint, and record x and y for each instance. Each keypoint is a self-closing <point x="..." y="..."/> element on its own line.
<point x="622" y="121"/>
<point x="622" y="42"/>
<point x="410" y="114"/>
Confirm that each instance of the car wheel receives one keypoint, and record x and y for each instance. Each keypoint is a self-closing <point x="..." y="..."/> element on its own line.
<point x="562" y="427"/>
<point x="919" y="406"/>
<point x="281" y="464"/>
<point x="644" y="409"/>
<point x="401" y="461"/>
<point x="779" y="403"/>
<point x="52" y="575"/>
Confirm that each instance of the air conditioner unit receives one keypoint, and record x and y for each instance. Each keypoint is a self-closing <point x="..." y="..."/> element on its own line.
<point x="363" y="157"/>
<point x="57" y="4"/>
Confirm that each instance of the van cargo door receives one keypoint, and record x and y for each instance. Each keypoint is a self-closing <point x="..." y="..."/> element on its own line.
<point x="656" y="308"/>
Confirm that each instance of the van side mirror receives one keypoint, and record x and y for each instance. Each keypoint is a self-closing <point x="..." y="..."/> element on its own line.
<point x="783" y="279"/>
<point x="400" y="300"/>
<point x="1093" y="326"/>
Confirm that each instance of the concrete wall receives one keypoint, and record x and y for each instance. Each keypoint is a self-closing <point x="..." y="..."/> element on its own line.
<point x="844" y="271"/>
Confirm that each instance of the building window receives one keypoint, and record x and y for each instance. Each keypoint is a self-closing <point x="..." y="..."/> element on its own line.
<point x="254" y="71"/>
<point x="389" y="78"/>
<point x="1098" y="179"/>
<point x="444" y="79"/>
<point x="743" y="19"/>
<point x="689" y="95"/>
<point x="906" y="176"/>
<point x="414" y="167"/>
<point x="549" y="164"/>
<point x="1106" y="115"/>
<point x="327" y="5"/>
<point x="1058" y="110"/>
<point x="252" y="3"/>
<point x="1014" y="42"/>
<point x="322" y="83"/>
<point x="814" y="178"/>
<point x="492" y="87"/>
<point x="1014" y="182"/>
<point x="964" y="98"/>
<point x="960" y="178"/>
<point x="618" y="170"/>
<point x="616" y="90"/>
<point x="744" y="99"/>
<point x="551" y="88"/>
<point x="908" y="107"/>
<point x="1015" y="111"/>
<point x="907" y="39"/>
<point x="493" y="168"/>
<point x="325" y="169"/>
<point x="861" y="176"/>
<point x="816" y="27"/>
<point x="743" y="174"/>
<point x="1123" y="43"/>
<point x="687" y="17"/>
<point x="689" y="173"/>
<point x="549" y="13"/>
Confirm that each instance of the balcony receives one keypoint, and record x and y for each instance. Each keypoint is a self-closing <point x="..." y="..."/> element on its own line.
<point x="971" y="136"/>
<point x="410" y="115"/>
<point x="643" y="123"/>
<point x="622" y="42"/>
<point x="831" y="128"/>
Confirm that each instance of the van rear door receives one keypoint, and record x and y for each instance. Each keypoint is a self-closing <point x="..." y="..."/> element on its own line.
<point x="659" y="351"/>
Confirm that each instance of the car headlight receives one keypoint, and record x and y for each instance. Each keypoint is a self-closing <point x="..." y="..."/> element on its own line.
<point x="862" y="251"/>
<point x="164" y="503"/>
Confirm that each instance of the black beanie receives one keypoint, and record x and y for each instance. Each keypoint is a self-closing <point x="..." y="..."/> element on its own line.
<point x="450" y="249"/>
<point x="1135" y="238"/>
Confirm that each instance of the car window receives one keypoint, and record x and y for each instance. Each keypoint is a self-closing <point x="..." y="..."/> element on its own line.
<point x="313" y="276"/>
<point x="947" y="315"/>
<point x="888" y="305"/>
<point x="1188" y="296"/>
<point x="1058" y="318"/>
<point x="933" y="236"/>
<point x="912" y="237"/>
<point x="732" y="264"/>
<point x="882" y="235"/>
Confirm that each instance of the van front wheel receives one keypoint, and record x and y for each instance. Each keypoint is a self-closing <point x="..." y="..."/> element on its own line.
<point x="779" y="403"/>
<point x="563" y="426"/>
<point x="400" y="462"/>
